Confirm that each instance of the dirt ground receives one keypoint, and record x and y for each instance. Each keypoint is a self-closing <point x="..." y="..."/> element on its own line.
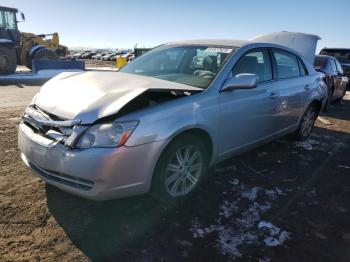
<point x="284" y="201"/>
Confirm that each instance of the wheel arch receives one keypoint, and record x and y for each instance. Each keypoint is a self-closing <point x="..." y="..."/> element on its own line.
<point x="199" y="132"/>
<point x="317" y="103"/>
<point x="195" y="131"/>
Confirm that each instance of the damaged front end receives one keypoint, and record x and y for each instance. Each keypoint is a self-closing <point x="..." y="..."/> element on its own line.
<point x="105" y="131"/>
<point x="56" y="129"/>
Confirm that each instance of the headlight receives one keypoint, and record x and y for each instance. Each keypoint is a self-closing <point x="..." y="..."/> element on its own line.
<point x="107" y="135"/>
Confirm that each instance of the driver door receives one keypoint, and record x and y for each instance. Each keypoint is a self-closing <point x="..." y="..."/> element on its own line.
<point x="247" y="114"/>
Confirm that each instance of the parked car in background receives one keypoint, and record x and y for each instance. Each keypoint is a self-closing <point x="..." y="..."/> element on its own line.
<point x="88" y="55"/>
<point x="107" y="57"/>
<point x="131" y="57"/>
<point x="343" y="56"/>
<point x="77" y="55"/>
<point x="113" y="58"/>
<point x="160" y="122"/>
<point x="117" y="54"/>
<point x="334" y="76"/>
<point x="98" y="56"/>
<point x="128" y="55"/>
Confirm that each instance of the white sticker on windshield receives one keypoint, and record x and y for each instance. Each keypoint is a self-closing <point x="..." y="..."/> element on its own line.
<point x="218" y="50"/>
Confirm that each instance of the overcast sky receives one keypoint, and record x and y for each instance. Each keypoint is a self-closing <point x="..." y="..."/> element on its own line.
<point x="107" y="23"/>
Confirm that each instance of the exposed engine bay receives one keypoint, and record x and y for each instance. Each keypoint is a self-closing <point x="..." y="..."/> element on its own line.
<point x="153" y="97"/>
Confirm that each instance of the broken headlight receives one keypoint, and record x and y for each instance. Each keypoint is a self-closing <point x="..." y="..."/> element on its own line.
<point x="107" y="135"/>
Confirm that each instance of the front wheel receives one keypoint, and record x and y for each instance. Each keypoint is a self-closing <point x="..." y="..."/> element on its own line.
<point x="8" y="61"/>
<point x="180" y="168"/>
<point x="307" y="122"/>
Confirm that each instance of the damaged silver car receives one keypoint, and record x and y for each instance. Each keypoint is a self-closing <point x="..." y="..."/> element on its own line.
<point x="160" y="122"/>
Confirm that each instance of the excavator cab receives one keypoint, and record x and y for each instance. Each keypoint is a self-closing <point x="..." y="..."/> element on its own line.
<point x="10" y="40"/>
<point x="8" y="26"/>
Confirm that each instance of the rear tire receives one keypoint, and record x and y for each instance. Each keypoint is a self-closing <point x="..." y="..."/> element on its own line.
<point x="307" y="122"/>
<point x="8" y="61"/>
<point x="43" y="54"/>
<point x="180" y="169"/>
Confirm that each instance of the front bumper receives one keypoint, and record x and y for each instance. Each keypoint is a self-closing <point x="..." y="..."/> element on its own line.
<point x="96" y="173"/>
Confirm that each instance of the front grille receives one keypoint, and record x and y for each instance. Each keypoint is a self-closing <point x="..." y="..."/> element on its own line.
<point x="79" y="183"/>
<point x="48" y="125"/>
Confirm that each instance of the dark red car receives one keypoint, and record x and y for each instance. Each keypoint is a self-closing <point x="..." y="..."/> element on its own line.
<point x="334" y="76"/>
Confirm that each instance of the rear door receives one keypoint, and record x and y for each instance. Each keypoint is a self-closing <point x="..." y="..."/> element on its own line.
<point x="293" y="85"/>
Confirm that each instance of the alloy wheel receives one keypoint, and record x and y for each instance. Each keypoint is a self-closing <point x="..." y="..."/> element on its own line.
<point x="308" y="121"/>
<point x="183" y="170"/>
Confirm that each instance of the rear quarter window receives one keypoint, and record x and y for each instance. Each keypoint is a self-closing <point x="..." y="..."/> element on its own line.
<point x="302" y="68"/>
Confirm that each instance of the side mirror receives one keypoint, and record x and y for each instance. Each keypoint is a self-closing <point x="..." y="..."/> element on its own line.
<point x="241" y="81"/>
<point x="23" y="17"/>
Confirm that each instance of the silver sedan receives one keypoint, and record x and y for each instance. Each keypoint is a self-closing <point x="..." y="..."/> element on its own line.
<point x="160" y="122"/>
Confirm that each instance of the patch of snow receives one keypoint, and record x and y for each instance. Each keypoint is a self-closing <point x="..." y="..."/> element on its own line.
<point x="272" y="194"/>
<point x="234" y="182"/>
<point x="236" y="223"/>
<point x="278" y="240"/>
<point x="304" y="144"/>
<point x="199" y="233"/>
<point x="343" y="166"/>
<point x="279" y="191"/>
<point x="251" y="193"/>
<point x="264" y="259"/>
<point x="276" y="236"/>
<point x="313" y="141"/>
<point x="228" y="208"/>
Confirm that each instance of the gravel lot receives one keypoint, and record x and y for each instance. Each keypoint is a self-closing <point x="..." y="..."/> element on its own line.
<point x="284" y="201"/>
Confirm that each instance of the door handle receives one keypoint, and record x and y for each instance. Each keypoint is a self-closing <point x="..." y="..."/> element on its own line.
<point x="273" y="95"/>
<point x="307" y="87"/>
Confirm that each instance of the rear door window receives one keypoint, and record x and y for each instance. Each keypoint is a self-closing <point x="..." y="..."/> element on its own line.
<point x="257" y="62"/>
<point x="333" y="66"/>
<point x="286" y="63"/>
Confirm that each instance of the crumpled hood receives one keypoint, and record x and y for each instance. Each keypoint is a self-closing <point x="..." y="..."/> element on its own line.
<point x="91" y="95"/>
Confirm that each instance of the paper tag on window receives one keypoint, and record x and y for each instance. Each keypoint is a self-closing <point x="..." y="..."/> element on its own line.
<point x="218" y="50"/>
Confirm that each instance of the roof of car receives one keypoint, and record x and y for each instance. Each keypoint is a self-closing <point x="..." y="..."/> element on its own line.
<point x="325" y="56"/>
<point x="335" y="48"/>
<point x="219" y="42"/>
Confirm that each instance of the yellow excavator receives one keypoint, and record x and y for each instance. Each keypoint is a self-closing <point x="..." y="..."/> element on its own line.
<point x="19" y="48"/>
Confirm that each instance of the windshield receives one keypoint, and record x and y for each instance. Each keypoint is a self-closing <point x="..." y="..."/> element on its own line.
<point x="341" y="54"/>
<point x="191" y="65"/>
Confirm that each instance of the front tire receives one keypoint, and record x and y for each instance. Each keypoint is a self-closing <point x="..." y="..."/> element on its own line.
<point x="8" y="61"/>
<point x="180" y="169"/>
<point x="307" y="122"/>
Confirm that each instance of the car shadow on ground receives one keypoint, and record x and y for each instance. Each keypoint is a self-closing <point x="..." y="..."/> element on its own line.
<point x="102" y="230"/>
<point x="125" y="228"/>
